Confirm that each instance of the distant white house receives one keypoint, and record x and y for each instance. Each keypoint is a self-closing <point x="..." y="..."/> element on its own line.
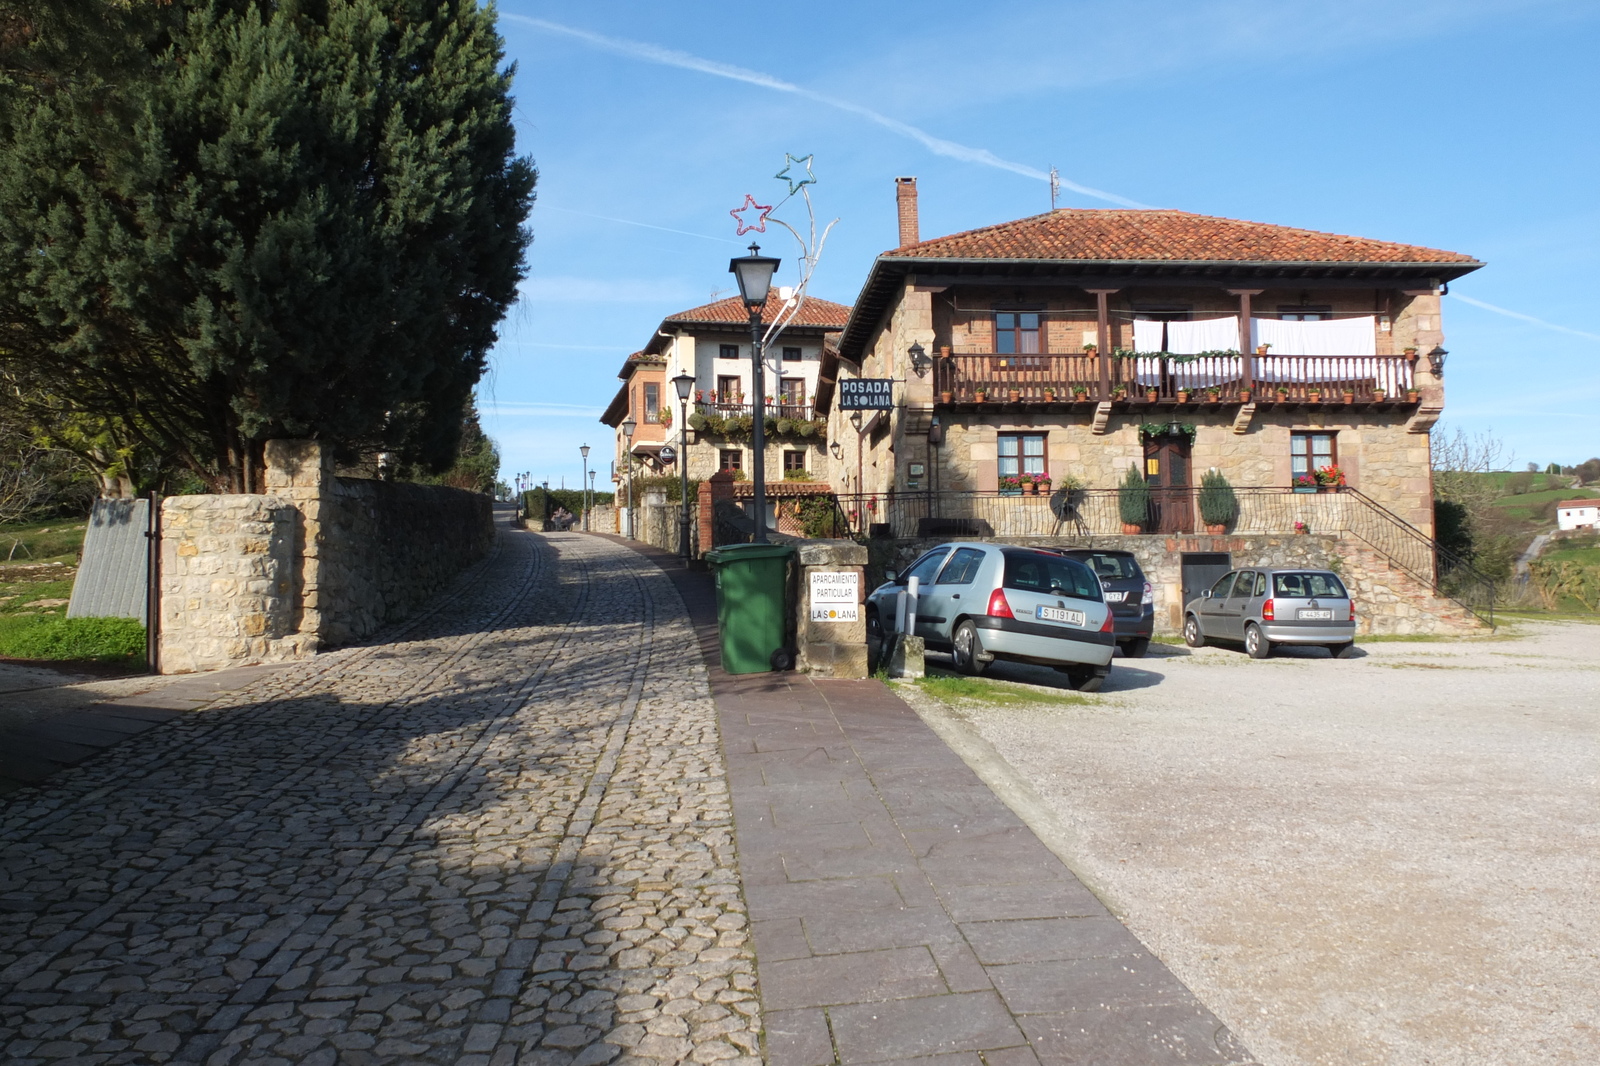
<point x="1578" y="514"/>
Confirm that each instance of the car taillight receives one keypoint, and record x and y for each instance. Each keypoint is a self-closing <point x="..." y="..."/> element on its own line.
<point x="1149" y="596"/>
<point x="1267" y="612"/>
<point x="1352" y="610"/>
<point x="998" y="607"/>
<point x="1106" y="626"/>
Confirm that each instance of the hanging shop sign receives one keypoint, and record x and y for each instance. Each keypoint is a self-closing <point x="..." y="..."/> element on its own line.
<point x="866" y="394"/>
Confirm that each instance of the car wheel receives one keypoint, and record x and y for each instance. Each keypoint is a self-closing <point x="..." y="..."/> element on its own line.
<point x="1136" y="648"/>
<point x="1086" y="680"/>
<point x="1191" y="633"/>
<point x="1256" y="642"/>
<point x="874" y="627"/>
<point x="1347" y="650"/>
<point x="964" y="649"/>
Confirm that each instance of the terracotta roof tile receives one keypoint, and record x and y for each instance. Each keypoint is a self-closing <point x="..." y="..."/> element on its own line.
<point x="814" y="312"/>
<point x="1175" y="236"/>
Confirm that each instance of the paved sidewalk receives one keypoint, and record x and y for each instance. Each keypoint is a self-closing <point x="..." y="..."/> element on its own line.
<point x="503" y="836"/>
<point x="902" y="912"/>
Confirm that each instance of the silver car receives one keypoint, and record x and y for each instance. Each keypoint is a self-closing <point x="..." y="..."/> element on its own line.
<point x="1264" y="608"/>
<point x="984" y="602"/>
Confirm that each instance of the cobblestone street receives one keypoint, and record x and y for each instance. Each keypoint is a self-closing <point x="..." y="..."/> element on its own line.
<point x="501" y="836"/>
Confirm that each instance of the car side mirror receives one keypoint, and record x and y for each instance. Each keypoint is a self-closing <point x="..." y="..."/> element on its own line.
<point x="1206" y="595"/>
<point x="892" y="575"/>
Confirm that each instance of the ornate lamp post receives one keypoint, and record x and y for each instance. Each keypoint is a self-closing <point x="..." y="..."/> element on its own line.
<point x="684" y="383"/>
<point x="754" y="273"/>
<point x="583" y="485"/>
<point x="628" y="426"/>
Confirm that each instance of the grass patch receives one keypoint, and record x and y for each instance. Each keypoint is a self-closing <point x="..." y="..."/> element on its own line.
<point x="1521" y="615"/>
<point x="22" y="597"/>
<point x="1166" y="638"/>
<point x="42" y="542"/>
<point x="100" y="640"/>
<point x="953" y="689"/>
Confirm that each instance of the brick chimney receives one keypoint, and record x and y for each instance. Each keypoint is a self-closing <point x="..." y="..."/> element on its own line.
<point x="905" y="199"/>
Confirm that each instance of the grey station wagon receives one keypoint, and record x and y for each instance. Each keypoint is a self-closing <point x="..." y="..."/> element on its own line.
<point x="984" y="602"/>
<point x="1262" y="608"/>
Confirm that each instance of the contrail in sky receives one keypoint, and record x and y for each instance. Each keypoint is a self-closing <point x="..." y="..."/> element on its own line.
<point x="1526" y="318"/>
<point x="937" y="145"/>
<point x="631" y="222"/>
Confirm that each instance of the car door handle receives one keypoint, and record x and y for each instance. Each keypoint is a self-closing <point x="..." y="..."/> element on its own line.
<point x="955" y="595"/>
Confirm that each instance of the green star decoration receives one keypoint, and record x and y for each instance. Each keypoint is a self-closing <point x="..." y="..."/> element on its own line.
<point x="790" y="162"/>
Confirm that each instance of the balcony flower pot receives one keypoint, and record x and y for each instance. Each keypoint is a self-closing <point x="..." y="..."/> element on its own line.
<point x="1313" y="396"/>
<point x="1183" y="395"/>
<point x="946" y="397"/>
<point x="1349" y="396"/>
<point x="980" y="396"/>
<point x="1308" y="488"/>
<point x="1049" y="395"/>
<point x="1378" y="395"/>
<point x="1261" y="349"/>
<point x="1130" y="528"/>
<point x="1283" y="395"/>
<point x="1244" y="395"/>
<point x="1151" y="395"/>
<point x="1217" y="530"/>
<point x="1030" y="488"/>
<point x="1013" y="395"/>
<point x="1080" y="394"/>
<point x="1413" y="396"/>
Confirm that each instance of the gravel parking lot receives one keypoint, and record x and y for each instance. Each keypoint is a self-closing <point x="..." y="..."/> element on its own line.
<point x="1391" y="859"/>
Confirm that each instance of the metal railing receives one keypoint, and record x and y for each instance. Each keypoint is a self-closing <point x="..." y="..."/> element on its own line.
<point x="1087" y="378"/>
<point x="779" y="408"/>
<point x="1098" y="512"/>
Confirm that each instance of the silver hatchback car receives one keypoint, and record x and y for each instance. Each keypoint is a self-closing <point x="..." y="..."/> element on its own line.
<point x="1263" y="608"/>
<point x="984" y="602"/>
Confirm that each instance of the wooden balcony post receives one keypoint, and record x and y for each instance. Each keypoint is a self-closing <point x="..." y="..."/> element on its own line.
<point x="1246" y="355"/>
<point x="1102" y="310"/>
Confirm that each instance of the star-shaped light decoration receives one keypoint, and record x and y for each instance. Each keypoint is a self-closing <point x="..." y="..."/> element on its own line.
<point x="760" y="224"/>
<point x="796" y="183"/>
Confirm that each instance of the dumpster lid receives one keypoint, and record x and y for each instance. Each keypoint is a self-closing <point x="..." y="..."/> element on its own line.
<point x="732" y="553"/>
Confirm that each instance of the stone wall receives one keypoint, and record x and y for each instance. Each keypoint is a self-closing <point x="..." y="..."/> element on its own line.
<point x="316" y="561"/>
<point x="1388" y="601"/>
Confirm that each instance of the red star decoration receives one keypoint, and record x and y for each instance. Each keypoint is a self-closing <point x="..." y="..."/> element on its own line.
<point x="760" y="225"/>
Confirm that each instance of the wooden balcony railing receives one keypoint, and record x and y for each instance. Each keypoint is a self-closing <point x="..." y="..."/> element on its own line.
<point x="1060" y="378"/>
<point x="778" y="408"/>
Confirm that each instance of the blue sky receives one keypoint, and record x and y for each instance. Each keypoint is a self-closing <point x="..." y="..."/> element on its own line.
<point x="1468" y="125"/>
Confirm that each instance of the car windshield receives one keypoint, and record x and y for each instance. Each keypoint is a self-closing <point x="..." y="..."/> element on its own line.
<point x="1307" y="585"/>
<point x="1051" y="575"/>
<point x="1111" y="567"/>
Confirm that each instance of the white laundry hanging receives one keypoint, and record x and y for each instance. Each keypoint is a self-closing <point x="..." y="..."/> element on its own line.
<point x="1147" y="335"/>
<point x="1203" y="335"/>
<point x="1333" y="336"/>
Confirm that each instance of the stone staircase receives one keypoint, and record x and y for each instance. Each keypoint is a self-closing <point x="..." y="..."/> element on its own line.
<point x="1389" y="600"/>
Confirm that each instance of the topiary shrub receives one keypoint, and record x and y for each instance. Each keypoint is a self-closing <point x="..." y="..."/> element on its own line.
<point x="1219" y="506"/>
<point x="1133" y="499"/>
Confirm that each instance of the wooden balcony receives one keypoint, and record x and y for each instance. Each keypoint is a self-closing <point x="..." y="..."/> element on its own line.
<point x="778" y="408"/>
<point x="1049" y="378"/>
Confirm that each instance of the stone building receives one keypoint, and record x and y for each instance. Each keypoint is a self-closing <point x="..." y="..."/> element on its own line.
<point x="1036" y="361"/>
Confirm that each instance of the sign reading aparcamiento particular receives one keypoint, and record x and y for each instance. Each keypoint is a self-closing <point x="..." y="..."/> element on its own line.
<point x="835" y="596"/>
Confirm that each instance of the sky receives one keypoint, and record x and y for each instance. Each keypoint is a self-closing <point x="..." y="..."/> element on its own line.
<point x="1467" y="125"/>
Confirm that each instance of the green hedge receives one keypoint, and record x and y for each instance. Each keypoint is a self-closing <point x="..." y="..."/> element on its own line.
<point x="104" y="640"/>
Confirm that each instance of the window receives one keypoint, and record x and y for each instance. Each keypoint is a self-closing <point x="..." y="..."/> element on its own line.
<point x="962" y="567"/>
<point x="652" y="402"/>
<point x="1016" y="333"/>
<point x="1307" y="586"/>
<point x="793" y="391"/>
<point x="1246" y="582"/>
<point x="1055" y="575"/>
<point x="793" y="460"/>
<point x="923" y="569"/>
<point x="791" y="355"/>
<point x="1117" y="567"/>
<point x="1310" y="452"/>
<point x="730" y="459"/>
<point x="728" y="389"/>
<point x="728" y="351"/>
<point x="1021" y="454"/>
<point x="1219" y="591"/>
<point x="1304" y="313"/>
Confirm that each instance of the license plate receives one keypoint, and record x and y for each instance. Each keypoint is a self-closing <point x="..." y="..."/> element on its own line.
<point x="1059" y="614"/>
<point x="1312" y="615"/>
<point x="1116" y="597"/>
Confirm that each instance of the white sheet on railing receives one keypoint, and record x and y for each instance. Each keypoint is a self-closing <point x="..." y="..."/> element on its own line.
<point x="1147" y="335"/>
<point x="1334" y="336"/>
<point x="1203" y="335"/>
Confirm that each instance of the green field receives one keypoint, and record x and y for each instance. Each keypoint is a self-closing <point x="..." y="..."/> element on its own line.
<point x="41" y="542"/>
<point x="1535" y="506"/>
<point x="35" y="585"/>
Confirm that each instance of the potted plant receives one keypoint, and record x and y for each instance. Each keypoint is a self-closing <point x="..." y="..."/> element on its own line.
<point x="980" y="395"/>
<point x="1090" y="348"/>
<point x="1013" y="395"/>
<point x="1301" y="527"/>
<point x="1314" y="395"/>
<point x="1151" y="395"/>
<point x="1244" y="395"/>
<point x="946" y="397"/>
<point x="1213" y="394"/>
<point x="785" y="426"/>
<point x="1283" y="394"/>
<point x="1349" y="395"/>
<point x="1411" y="352"/>
<point x="1219" y="505"/>
<point x="1261" y="349"/>
<point x="1080" y="393"/>
<point x="1030" y="486"/>
<point x="1120" y="392"/>
<point x="1183" y="395"/>
<point x="1330" y="477"/>
<point x="1010" y="484"/>
<point x="1133" y="501"/>
<point x="1378" y="395"/>
<point x="1413" y="396"/>
<point x="1306" y="483"/>
<point x="1043" y="481"/>
<point x="1049" y="394"/>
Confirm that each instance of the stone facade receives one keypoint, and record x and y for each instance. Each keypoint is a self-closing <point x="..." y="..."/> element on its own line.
<point x="318" y="560"/>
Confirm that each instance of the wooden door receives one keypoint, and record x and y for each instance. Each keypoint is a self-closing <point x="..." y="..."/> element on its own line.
<point x="1166" y="470"/>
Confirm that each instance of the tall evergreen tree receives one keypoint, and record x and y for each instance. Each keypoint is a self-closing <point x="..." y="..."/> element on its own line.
<point x="256" y="220"/>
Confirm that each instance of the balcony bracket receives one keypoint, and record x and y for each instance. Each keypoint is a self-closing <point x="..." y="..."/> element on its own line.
<point x="1241" y="421"/>
<point x="1102" y="417"/>
<point x="1424" y="419"/>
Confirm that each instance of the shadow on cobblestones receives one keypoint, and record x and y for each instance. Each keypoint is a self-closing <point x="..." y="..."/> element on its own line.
<point x="503" y="837"/>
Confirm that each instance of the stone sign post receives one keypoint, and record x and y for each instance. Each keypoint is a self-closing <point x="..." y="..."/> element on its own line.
<point x="832" y="629"/>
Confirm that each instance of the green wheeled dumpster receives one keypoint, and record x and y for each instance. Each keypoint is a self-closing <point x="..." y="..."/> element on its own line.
<point x="753" y="606"/>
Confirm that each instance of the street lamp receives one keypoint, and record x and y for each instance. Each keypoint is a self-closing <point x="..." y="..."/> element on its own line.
<point x="583" y="485"/>
<point x="684" y="383"/>
<point x="628" y="426"/>
<point x="1436" y="361"/>
<point x="754" y="273"/>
